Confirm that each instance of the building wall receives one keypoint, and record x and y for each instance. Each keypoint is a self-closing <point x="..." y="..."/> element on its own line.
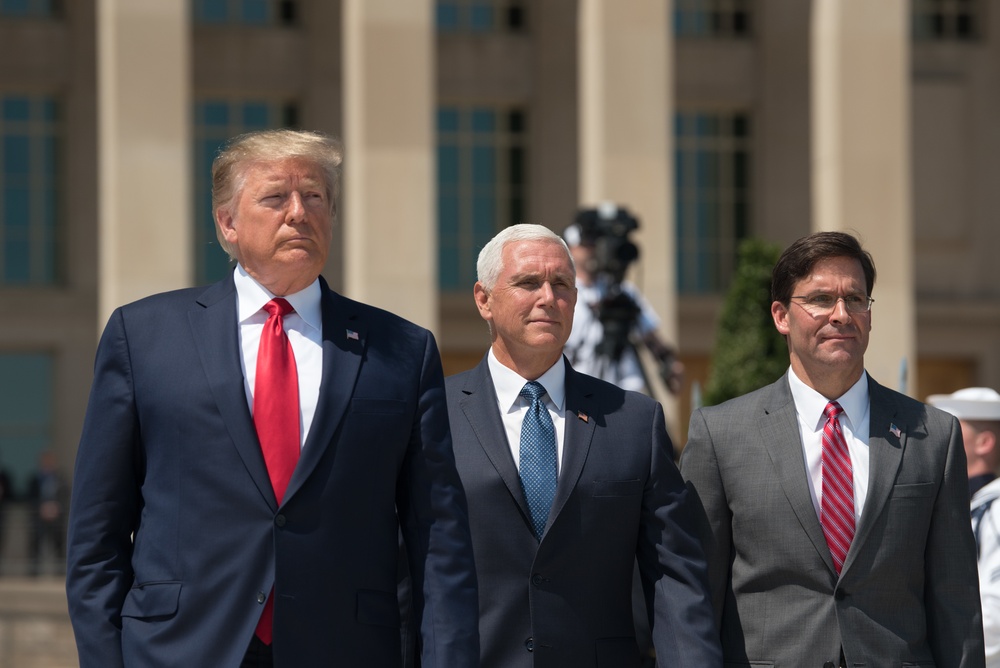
<point x="955" y="101"/>
<point x="59" y="58"/>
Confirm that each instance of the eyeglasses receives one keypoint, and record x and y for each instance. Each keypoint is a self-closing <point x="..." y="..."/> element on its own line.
<point x="822" y="303"/>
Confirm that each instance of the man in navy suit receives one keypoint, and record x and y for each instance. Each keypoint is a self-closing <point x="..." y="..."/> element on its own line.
<point x="184" y="547"/>
<point x="570" y="482"/>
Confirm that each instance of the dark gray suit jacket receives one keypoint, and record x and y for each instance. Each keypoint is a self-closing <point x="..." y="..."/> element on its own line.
<point x="567" y="601"/>
<point x="908" y="594"/>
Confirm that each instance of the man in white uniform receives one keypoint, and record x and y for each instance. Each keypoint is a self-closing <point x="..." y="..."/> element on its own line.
<point x="978" y="411"/>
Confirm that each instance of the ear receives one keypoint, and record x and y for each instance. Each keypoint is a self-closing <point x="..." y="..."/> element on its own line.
<point x="985" y="443"/>
<point x="482" y="301"/>
<point x="224" y="220"/>
<point x="779" y="312"/>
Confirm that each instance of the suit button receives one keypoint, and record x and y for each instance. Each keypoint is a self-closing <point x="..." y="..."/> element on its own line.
<point x="280" y="520"/>
<point x="529" y="644"/>
<point x="840" y="595"/>
<point x="829" y="664"/>
<point x="261" y="597"/>
<point x="537" y="580"/>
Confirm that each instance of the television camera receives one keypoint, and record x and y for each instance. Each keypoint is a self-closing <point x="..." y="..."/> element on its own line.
<point x="606" y="230"/>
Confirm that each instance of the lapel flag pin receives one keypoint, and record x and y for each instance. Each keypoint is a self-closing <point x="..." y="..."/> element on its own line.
<point x="583" y="416"/>
<point x="895" y="430"/>
<point x="352" y="335"/>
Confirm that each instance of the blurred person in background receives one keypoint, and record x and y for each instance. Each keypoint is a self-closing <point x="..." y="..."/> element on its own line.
<point x="978" y="411"/>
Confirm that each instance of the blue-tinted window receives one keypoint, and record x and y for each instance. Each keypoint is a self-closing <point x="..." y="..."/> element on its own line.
<point x="26" y="414"/>
<point x="479" y="16"/>
<point x="216" y="121"/>
<point x="712" y="172"/>
<point x="481" y="184"/>
<point x="28" y="8"/>
<point x="29" y="189"/>
<point x="712" y="18"/>
<point x="246" y="12"/>
<point x="947" y="20"/>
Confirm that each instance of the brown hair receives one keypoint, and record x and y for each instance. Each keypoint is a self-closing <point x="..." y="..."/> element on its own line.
<point x="798" y="260"/>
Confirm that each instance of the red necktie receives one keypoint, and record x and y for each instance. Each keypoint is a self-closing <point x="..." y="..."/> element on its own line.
<point x="837" y="511"/>
<point x="276" y="416"/>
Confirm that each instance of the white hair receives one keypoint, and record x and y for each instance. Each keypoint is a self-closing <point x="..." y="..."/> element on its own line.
<point x="490" y="263"/>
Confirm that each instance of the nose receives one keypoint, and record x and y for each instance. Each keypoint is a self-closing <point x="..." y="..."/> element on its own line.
<point x="296" y="208"/>
<point x="840" y="313"/>
<point x="546" y="294"/>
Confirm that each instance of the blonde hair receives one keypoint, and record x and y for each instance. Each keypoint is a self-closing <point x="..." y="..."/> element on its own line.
<point x="229" y="169"/>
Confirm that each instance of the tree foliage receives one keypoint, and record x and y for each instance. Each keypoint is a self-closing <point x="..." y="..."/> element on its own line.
<point x="749" y="351"/>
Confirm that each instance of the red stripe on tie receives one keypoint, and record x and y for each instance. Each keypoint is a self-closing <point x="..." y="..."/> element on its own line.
<point x="837" y="509"/>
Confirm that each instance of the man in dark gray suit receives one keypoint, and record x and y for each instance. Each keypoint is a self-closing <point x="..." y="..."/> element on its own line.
<point x="569" y="482"/>
<point x="835" y="510"/>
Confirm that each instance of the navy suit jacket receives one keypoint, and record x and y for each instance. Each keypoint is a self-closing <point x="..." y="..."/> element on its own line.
<point x="175" y="537"/>
<point x="567" y="600"/>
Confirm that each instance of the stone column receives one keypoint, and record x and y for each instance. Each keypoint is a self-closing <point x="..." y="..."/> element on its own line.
<point x="626" y="142"/>
<point x="388" y="215"/>
<point x="861" y="165"/>
<point x="144" y="150"/>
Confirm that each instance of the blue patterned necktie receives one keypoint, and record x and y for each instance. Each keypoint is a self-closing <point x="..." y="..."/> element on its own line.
<point x="538" y="457"/>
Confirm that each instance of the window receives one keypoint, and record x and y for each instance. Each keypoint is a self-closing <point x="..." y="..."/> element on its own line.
<point x="247" y="12"/>
<point x="481" y="184"/>
<point x="955" y="20"/>
<point x="480" y="16"/>
<point x="29" y="168"/>
<point x="26" y="416"/>
<point x="29" y="8"/>
<point x="712" y="18"/>
<point x="712" y="174"/>
<point x="216" y="121"/>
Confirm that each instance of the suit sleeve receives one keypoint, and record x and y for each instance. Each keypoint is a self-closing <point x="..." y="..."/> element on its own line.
<point x="951" y="592"/>
<point x="104" y="505"/>
<point x="671" y="558"/>
<point x="700" y="470"/>
<point x="435" y="522"/>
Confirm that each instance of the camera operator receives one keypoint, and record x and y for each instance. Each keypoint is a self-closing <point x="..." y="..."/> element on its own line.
<point x="611" y="315"/>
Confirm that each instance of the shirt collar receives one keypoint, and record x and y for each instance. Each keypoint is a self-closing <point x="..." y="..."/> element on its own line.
<point x="508" y="383"/>
<point x="251" y="297"/>
<point x="810" y="404"/>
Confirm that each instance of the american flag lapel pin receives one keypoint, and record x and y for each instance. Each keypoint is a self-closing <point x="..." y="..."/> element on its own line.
<point x="352" y="335"/>
<point x="583" y="416"/>
<point x="894" y="430"/>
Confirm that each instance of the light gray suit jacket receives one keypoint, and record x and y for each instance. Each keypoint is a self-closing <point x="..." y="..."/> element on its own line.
<point x="567" y="600"/>
<point x="908" y="594"/>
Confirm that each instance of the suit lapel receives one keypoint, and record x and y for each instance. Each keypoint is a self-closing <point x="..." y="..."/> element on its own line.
<point x="216" y="337"/>
<point x="479" y="405"/>
<point x="779" y="431"/>
<point x="580" y="424"/>
<point x="344" y="340"/>
<point x="885" y="452"/>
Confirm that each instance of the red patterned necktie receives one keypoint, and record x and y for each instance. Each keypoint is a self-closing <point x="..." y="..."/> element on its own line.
<point x="837" y="512"/>
<point x="276" y="416"/>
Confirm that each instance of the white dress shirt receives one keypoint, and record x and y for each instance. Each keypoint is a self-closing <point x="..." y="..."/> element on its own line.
<point x="304" y="328"/>
<point x="513" y="406"/>
<point x="854" y="422"/>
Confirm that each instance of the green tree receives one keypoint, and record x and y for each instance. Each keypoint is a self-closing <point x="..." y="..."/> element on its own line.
<point x="749" y="351"/>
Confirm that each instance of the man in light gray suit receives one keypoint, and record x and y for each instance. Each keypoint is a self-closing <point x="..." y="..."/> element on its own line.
<point x="835" y="510"/>
<point x="568" y="487"/>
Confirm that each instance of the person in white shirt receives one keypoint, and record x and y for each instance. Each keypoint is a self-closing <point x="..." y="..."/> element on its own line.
<point x="978" y="411"/>
<point x="612" y="319"/>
